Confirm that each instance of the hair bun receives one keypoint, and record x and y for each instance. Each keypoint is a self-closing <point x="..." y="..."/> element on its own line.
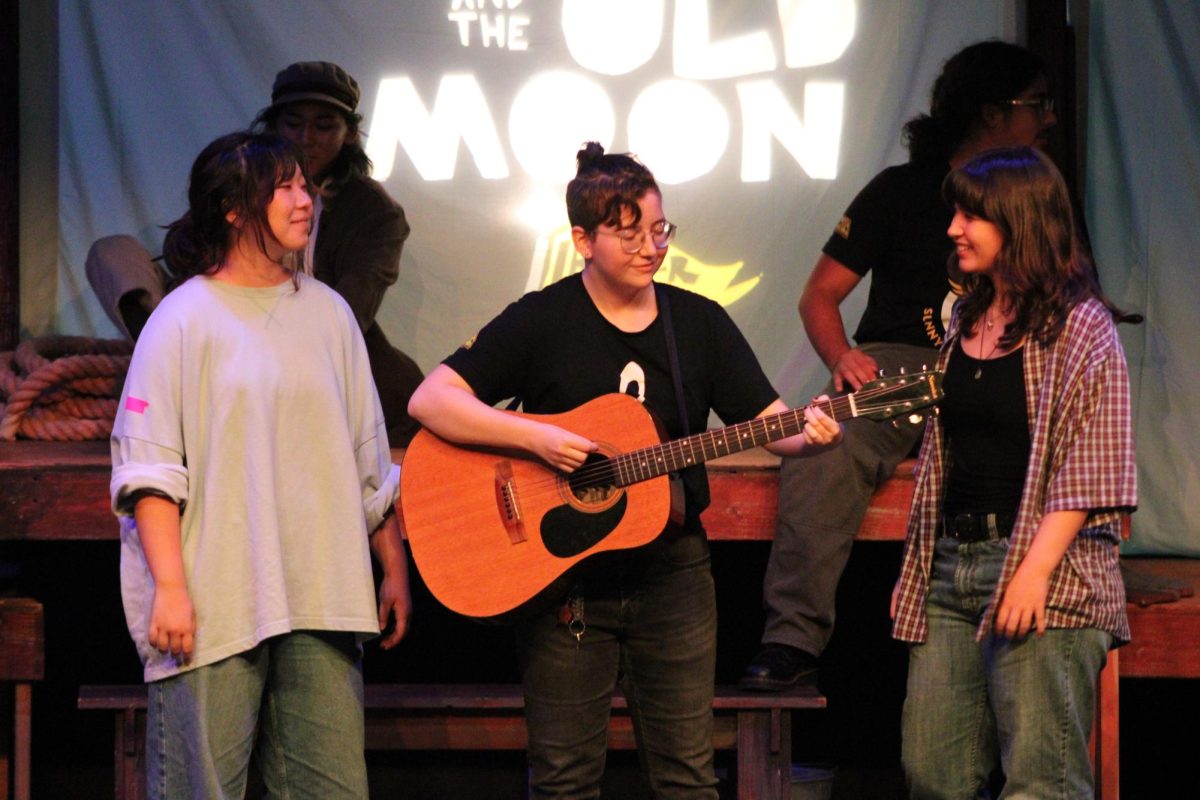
<point x="589" y="154"/>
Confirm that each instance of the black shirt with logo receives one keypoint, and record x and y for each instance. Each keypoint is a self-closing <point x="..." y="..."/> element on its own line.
<point x="895" y="229"/>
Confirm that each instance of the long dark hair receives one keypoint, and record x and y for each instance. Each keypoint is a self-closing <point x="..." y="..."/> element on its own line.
<point x="1041" y="263"/>
<point x="237" y="172"/>
<point x="985" y="73"/>
<point x="350" y="162"/>
<point x="604" y="186"/>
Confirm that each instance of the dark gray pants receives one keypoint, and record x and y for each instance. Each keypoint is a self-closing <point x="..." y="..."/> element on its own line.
<point x="822" y="502"/>
<point x="654" y="628"/>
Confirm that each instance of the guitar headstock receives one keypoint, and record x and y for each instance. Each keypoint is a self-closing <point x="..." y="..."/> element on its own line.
<point x="898" y="395"/>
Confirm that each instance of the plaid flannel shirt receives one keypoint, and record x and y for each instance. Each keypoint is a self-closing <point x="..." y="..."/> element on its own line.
<point x="1081" y="458"/>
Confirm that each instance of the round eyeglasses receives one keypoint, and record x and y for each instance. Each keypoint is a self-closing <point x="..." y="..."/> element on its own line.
<point x="632" y="239"/>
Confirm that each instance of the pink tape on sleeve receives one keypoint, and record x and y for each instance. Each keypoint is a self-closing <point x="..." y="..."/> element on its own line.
<point x="136" y="404"/>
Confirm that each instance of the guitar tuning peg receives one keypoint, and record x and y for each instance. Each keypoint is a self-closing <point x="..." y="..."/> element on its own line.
<point x="924" y="368"/>
<point x="896" y="423"/>
<point x="916" y="419"/>
<point x="902" y="371"/>
<point x="881" y="373"/>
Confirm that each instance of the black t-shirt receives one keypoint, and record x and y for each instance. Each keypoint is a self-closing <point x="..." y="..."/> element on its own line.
<point x="896" y="230"/>
<point x="554" y="350"/>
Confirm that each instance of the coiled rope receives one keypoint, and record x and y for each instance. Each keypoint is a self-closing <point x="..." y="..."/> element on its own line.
<point x="62" y="388"/>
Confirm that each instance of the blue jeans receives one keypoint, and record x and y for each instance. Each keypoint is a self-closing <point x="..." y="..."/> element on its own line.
<point x="1023" y="706"/>
<point x="653" y="625"/>
<point x="297" y="698"/>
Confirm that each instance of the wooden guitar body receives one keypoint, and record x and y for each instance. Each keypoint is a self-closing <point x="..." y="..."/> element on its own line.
<point x="490" y="529"/>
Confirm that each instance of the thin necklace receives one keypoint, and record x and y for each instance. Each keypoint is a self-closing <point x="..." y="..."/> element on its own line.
<point x="987" y="322"/>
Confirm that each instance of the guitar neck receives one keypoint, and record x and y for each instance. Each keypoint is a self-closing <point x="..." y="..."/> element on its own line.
<point x="656" y="460"/>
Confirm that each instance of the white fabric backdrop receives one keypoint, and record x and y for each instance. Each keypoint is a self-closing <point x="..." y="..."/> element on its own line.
<point x="144" y="85"/>
<point x="1143" y="195"/>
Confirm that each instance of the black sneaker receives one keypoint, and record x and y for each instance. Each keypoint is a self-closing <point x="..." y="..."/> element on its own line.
<point x="778" y="667"/>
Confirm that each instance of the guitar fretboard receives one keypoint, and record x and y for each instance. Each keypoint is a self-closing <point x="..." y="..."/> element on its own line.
<point x="651" y="462"/>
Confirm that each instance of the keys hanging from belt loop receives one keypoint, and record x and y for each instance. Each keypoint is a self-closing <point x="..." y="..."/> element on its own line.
<point x="576" y="624"/>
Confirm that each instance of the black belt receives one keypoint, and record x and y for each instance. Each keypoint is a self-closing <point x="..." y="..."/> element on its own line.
<point x="975" y="527"/>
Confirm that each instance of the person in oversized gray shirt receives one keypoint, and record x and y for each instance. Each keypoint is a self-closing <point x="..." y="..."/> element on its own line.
<point x="253" y="479"/>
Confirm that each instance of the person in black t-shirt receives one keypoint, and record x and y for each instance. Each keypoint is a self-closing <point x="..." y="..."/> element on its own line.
<point x="988" y="95"/>
<point x="648" y="619"/>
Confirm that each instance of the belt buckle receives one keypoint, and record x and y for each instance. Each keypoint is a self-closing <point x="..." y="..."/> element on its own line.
<point x="966" y="527"/>
<point x="969" y="527"/>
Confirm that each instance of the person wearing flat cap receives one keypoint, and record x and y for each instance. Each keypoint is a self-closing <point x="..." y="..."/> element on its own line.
<point x="358" y="229"/>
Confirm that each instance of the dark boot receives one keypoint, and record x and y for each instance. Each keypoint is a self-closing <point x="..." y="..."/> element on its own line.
<point x="778" y="667"/>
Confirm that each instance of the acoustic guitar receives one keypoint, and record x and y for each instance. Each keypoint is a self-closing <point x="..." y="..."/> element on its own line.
<point x="490" y="529"/>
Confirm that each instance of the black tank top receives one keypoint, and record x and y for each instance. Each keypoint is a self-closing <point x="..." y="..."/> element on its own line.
<point x="987" y="432"/>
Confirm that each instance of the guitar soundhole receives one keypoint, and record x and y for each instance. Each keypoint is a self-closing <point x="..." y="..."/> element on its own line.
<point x="593" y="507"/>
<point x="594" y="484"/>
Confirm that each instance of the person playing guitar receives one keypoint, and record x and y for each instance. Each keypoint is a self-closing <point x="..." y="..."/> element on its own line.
<point x="648" y="617"/>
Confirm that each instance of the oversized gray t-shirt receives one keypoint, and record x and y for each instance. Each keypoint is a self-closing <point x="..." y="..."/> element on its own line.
<point x="254" y="409"/>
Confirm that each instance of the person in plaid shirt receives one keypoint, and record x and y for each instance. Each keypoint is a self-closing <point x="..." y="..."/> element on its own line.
<point x="1010" y="594"/>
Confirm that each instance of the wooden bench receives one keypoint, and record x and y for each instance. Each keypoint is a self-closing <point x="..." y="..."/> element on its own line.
<point x="490" y="717"/>
<point x="22" y="661"/>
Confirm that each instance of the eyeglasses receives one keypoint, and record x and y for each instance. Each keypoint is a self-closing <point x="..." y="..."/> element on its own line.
<point x="1042" y="105"/>
<point x="632" y="239"/>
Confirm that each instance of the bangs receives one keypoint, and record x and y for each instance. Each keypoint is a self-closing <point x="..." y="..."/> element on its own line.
<point x="999" y="184"/>
<point x="252" y="170"/>
<point x="616" y="208"/>
<point x="270" y="162"/>
<point x="967" y="191"/>
<point x="287" y="164"/>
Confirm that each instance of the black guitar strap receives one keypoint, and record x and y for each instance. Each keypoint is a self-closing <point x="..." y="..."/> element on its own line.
<point x="664" y="307"/>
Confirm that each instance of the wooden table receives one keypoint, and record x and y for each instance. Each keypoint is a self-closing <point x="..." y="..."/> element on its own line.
<point x="55" y="491"/>
<point x="59" y="490"/>
<point x="1166" y="636"/>
<point x="745" y="498"/>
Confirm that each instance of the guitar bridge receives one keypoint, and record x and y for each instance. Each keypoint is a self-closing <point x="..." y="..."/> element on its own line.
<point x="508" y="503"/>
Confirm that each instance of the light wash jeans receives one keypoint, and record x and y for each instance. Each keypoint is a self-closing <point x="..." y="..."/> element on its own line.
<point x="1022" y="705"/>
<point x="654" y="624"/>
<point x="297" y="699"/>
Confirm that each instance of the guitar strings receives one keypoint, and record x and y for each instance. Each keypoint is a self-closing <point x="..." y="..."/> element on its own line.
<point x="607" y="471"/>
<point x="608" y="468"/>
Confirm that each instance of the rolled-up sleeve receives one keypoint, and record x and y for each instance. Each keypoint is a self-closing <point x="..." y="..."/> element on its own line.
<point x="378" y="477"/>
<point x="378" y="500"/>
<point x="147" y="439"/>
